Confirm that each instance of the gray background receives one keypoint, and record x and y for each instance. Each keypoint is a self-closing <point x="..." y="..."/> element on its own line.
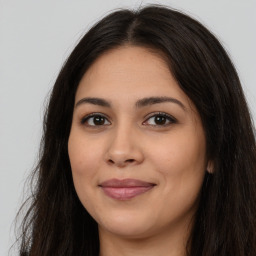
<point x="35" y="39"/>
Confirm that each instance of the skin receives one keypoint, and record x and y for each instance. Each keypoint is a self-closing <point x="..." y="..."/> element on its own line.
<point x="129" y="143"/>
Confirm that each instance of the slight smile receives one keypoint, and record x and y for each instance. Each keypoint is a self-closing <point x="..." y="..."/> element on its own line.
<point x="125" y="189"/>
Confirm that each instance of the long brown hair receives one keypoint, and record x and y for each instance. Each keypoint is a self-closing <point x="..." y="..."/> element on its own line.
<point x="225" y="223"/>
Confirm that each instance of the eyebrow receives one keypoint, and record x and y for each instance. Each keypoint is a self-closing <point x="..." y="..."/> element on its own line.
<point x="94" y="101"/>
<point x="155" y="100"/>
<point x="139" y="104"/>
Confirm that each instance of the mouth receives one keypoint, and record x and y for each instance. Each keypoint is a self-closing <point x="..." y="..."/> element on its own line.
<point x="125" y="189"/>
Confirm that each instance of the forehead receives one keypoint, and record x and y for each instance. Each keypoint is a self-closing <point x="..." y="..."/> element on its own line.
<point x="129" y="72"/>
<point x="129" y="57"/>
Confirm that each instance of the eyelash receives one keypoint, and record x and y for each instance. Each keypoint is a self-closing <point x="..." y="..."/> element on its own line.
<point x="170" y="119"/>
<point x="93" y="115"/>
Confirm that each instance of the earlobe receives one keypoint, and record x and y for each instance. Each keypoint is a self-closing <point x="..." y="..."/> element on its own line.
<point x="210" y="168"/>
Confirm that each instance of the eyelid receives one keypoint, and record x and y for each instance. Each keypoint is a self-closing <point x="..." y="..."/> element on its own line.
<point x="86" y="117"/>
<point x="172" y="119"/>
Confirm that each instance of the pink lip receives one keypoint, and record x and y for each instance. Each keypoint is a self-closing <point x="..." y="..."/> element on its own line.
<point x="125" y="189"/>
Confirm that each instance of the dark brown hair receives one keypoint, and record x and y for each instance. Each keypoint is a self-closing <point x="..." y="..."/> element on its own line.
<point x="225" y="223"/>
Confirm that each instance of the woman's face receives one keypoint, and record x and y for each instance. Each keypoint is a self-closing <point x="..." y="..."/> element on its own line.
<point x="137" y="147"/>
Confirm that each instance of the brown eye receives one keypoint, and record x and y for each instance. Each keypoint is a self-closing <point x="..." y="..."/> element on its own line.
<point x="160" y="119"/>
<point x="95" y="120"/>
<point x="98" y="120"/>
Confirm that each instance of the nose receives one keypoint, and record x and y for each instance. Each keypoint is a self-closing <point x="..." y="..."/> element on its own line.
<point x="124" y="148"/>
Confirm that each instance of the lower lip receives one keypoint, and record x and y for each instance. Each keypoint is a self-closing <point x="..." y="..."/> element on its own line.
<point x="125" y="193"/>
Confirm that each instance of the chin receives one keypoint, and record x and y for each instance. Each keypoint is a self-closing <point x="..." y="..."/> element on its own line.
<point x="127" y="225"/>
<point x="127" y="231"/>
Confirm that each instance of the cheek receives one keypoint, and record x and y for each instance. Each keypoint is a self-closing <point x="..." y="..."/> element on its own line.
<point x="84" y="156"/>
<point x="183" y="148"/>
<point x="84" y="160"/>
<point x="181" y="160"/>
<point x="180" y="163"/>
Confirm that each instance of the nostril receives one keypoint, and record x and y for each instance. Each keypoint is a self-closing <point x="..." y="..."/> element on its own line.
<point x="110" y="161"/>
<point x="129" y="160"/>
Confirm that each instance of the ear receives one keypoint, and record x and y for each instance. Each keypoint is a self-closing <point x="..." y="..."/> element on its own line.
<point x="210" y="168"/>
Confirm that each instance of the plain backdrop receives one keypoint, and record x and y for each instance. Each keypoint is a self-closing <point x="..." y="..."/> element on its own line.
<point x="35" y="39"/>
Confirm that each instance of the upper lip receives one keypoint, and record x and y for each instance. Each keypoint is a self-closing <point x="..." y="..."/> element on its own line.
<point x="125" y="183"/>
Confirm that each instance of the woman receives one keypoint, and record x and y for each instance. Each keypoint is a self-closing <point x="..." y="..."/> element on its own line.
<point x="148" y="146"/>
